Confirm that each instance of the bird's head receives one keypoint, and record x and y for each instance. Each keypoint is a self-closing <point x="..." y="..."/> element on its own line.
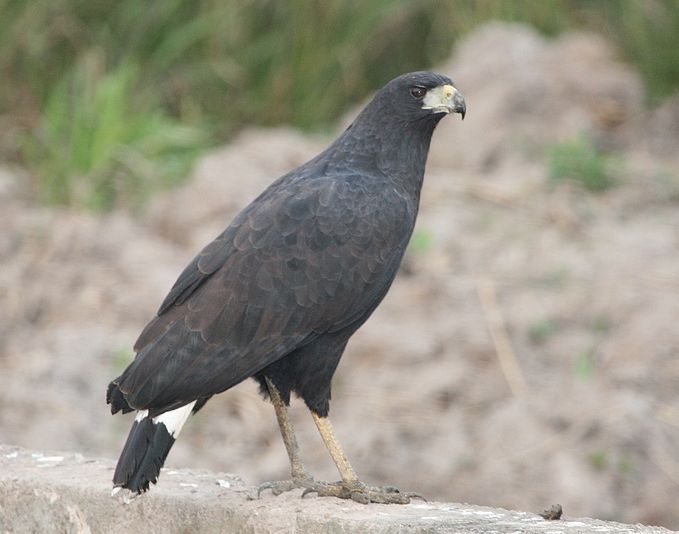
<point x="421" y="95"/>
<point x="394" y="130"/>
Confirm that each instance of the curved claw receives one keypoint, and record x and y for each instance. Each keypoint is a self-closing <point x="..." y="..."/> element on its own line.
<point x="414" y="495"/>
<point x="276" y="487"/>
<point x="281" y="486"/>
<point x="308" y="490"/>
<point x="262" y="487"/>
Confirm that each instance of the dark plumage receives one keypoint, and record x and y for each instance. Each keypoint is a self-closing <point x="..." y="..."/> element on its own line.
<point x="279" y="293"/>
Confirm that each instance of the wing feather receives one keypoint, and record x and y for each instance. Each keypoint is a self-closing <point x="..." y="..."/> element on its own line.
<point x="305" y="258"/>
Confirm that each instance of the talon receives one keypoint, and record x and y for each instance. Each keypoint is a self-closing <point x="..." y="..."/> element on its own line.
<point x="281" y="486"/>
<point x="263" y="487"/>
<point x="307" y="491"/>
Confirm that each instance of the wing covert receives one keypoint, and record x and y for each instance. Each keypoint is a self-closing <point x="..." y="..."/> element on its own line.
<point x="298" y="262"/>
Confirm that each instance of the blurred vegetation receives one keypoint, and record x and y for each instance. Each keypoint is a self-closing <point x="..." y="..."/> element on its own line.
<point x="121" y="359"/>
<point x="93" y="127"/>
<point x="584" y="364"/>
<point x="541" y="330"/>
<point x="580" y="161"/>
<point x="107" y="101"/>
<point x="421" y="241"/>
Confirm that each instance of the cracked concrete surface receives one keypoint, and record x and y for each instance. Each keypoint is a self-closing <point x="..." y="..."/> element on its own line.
<point x="66" y="492"/>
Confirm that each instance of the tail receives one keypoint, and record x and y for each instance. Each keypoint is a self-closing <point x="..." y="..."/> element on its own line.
<point x="147" y="447"/>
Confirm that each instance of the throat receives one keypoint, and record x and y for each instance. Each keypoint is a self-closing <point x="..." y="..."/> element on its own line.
<point x="403" y="155"/>
<point x="397" y="151"/>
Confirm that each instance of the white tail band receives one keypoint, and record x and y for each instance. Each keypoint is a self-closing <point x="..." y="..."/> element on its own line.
<point x="174" y="420"/>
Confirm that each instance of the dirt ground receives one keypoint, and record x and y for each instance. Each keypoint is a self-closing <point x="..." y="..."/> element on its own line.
<point x="527" y="354"/>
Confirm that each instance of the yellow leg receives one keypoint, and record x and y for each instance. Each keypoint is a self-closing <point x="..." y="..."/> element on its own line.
<point x="287" y="432"/>
<point x="335" y="449"/>
<point x="349" y="488"/>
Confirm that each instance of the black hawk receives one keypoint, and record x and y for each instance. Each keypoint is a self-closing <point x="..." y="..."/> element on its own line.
<point x="279" y="293"/>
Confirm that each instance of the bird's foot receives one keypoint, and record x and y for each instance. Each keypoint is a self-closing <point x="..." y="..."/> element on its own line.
<point x="359" y="492"/>
<point x="281" y="486"/>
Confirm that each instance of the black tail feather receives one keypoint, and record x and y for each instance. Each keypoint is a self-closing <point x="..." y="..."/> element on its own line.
<point x="145" y="451"/>
<point x="116" y="399"/>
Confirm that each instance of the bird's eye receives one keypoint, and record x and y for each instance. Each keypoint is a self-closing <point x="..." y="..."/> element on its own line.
<point x="418" y="92"/>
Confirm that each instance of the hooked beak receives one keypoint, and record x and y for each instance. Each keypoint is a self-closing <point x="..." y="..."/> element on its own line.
<point x="445" y="99"/>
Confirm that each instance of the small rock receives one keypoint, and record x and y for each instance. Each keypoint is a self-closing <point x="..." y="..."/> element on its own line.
<point x="553" y="513"/>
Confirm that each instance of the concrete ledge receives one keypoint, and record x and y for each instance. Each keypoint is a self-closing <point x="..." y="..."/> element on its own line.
<point x="56" y="492"/>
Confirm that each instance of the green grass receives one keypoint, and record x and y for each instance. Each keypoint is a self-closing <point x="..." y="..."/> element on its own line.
<point x="172" y="76"/>
<point x="95" y="147"/>
<point x="540" y="331"/>
<point x="647" y="32"/>
<point x="599" y="460"/>
<point x="581" y="162"/>
<point x="584" y="365"/>
<point x="421" y="241"/>
<point x="601" y="324"/>
<point x="121" y="359"/>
